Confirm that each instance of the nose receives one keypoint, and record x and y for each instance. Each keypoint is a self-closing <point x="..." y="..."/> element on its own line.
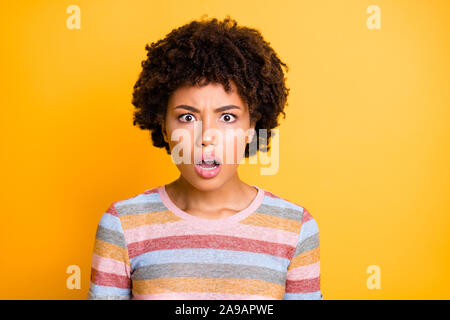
<point x="207" y="133"/>
<point x="207" y="140"/>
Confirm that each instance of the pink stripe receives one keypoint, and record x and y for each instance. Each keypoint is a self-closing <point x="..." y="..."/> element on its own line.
<point x="109" y="279"/>
<point x="270" y="194"/>
<point x="198" y="296"/>
<point x="306" y="216"/>
<point x="153" y="190"/>
<point x="211" y="242"/>
<point x="112" y="209"/>
<point x="300" y="286"/>
<point x="304" y="272"/>
<point x="110" y="266"/>
<point x="179" y="228"/>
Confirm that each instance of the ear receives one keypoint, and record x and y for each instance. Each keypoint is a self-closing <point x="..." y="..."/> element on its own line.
<point x="164" y="132"/>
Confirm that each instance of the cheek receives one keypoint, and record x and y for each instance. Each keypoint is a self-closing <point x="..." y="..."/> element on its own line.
<point x="236" y="145"/>
<point x="183" y="141"/>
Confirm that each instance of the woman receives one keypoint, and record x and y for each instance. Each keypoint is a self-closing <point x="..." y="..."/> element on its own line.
<point x="205" y="93"/>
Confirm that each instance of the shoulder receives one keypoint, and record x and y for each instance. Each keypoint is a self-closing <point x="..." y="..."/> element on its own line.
<point x="285" y="208"/>
<point x="144" y="202"/>
<point x="122" y="214"/>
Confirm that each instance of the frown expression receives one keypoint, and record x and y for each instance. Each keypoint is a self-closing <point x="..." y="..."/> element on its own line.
<point x="211" y="121"/>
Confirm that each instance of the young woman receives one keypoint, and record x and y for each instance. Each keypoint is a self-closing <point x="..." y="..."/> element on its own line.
<point x="206" y="92"/>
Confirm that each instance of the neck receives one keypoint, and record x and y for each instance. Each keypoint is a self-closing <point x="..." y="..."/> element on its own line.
<point x="232" y="195"/>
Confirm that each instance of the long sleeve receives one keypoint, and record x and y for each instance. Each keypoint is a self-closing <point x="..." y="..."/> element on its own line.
<point x="303" y="275"/>
<point x="110" y="272"/>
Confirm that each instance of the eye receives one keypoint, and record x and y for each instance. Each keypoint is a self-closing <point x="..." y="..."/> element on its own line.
<point x="228" y="116"/>
<point x="186" y="117"/>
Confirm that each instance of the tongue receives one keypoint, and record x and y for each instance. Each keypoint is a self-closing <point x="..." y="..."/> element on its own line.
<point x="206" y="165"/>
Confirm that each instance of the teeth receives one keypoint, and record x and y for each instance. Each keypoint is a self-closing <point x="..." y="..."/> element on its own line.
<point x="209" y="162"/>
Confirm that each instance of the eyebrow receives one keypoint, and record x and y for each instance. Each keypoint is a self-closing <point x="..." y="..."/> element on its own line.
<point x="220" y="109"/>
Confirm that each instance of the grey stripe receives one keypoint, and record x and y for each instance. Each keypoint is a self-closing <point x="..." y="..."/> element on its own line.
<point x="279" y="212"/>
<point x="207" y="270"/>
<point x="307" y="244"/>
<point x="135" y="208"/>
<point x="111" y="236"/>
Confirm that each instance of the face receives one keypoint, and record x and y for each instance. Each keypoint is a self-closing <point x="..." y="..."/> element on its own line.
<point x="210" y="122"/>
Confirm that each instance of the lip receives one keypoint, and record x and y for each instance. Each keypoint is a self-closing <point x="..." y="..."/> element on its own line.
<point x="208" y="173"/>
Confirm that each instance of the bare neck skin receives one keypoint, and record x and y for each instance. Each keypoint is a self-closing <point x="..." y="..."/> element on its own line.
<point x="230" y="198"/>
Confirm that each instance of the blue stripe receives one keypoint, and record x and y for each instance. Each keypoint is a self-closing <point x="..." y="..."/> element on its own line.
<point x="110" y="222"/>
<point x="141" y="198"/>
<point x="210" y="256"/>
<point x="308" y="229"/>
<point x="108" y="291"/>
<point x="281" y="203"/>
<point x="316" y="295"/>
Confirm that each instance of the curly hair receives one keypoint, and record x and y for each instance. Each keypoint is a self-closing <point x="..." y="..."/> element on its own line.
<point x="211" y="51"/>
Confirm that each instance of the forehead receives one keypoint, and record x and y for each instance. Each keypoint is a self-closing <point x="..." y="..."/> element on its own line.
<point x="210" y="95"/>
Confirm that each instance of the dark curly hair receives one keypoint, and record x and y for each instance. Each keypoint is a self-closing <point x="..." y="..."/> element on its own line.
<point x="209" y="50"/>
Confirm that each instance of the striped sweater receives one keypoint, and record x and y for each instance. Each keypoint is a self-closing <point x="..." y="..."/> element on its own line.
<point x="147" y="248"/>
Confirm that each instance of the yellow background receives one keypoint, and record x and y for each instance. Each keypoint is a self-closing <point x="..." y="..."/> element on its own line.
<point x="364" y="146"/>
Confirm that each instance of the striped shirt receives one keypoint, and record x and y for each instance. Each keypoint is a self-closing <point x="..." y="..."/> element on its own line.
<point x="148" y="248"/>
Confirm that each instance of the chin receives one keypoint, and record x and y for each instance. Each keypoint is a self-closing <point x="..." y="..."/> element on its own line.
<point x="203" y="184"/>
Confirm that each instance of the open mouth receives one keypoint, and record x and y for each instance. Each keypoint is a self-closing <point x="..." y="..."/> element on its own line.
<point x="208" y="164"/>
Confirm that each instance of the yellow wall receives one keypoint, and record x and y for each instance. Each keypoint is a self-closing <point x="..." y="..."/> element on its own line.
<point x="364" y="146"/>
